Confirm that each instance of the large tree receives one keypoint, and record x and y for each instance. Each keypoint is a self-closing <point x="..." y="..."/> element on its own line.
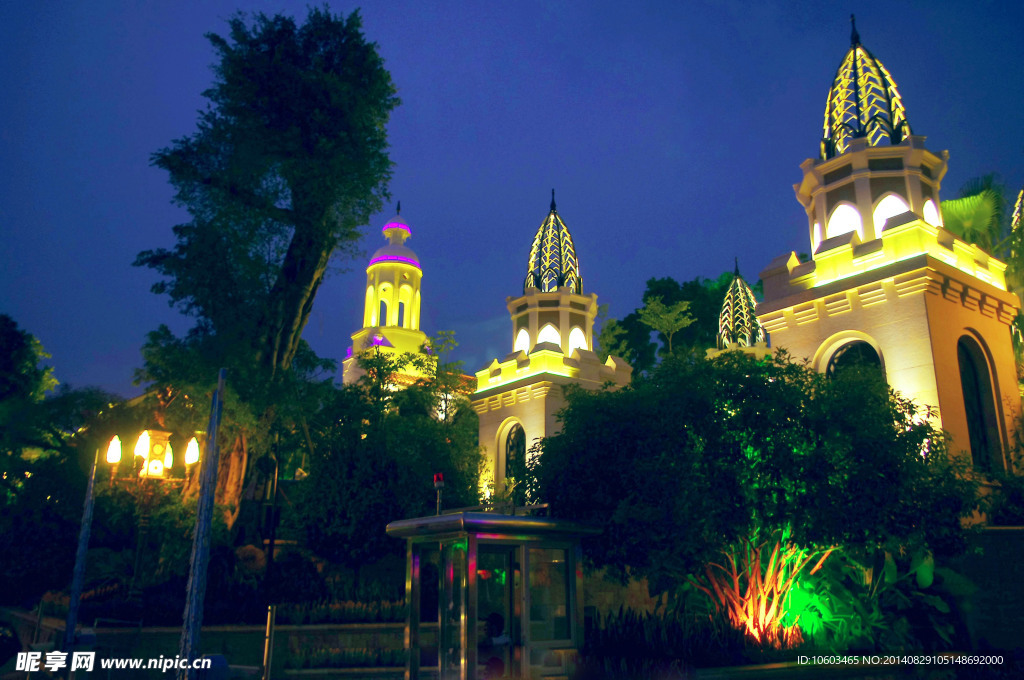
<point x="287" y="162"/>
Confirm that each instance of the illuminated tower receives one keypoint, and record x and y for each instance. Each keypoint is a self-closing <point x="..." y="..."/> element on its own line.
<point x="738" y="327"/>
<point x="391" y="314"/>
<point x="552" y="346"/>
<point x="886" y="283"/>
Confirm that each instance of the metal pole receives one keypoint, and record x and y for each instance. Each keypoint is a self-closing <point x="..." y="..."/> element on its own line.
<point x="79" y="574"/>
<point x="196" y="593"/>
<point x="268" y="639"/>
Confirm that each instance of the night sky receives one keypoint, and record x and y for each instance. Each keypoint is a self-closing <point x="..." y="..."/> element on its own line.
<point x="672" y="131"/>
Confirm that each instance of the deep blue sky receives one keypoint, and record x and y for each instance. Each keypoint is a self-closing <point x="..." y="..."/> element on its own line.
<point x="672" y="131"/>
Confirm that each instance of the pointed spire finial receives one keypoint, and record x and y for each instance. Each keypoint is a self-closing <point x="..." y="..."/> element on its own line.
<point x="854" y="35"/>
<point x="552" y="200"/>
<point x="398" y="208"/>
<point x="736" y="270"/>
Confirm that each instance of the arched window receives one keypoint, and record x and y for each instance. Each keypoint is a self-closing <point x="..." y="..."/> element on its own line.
<point x="844" y="219"/>
<point x="577" y="339"/>
<point x="856" y="354"/>
<point x="890" y="206"/>
<point x="931" y="214"/>
<point x="515" y="453"/>
<point x="402" y="319"/>
<point x="979" y="404"/>
<point x="522" y="343"/>
<point x="549" y="334"/>
<point x="382" y="314"/>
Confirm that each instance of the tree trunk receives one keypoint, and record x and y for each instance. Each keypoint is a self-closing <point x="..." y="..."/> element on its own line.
<point x="291" y="299"/>
<point x="231" y="479"/>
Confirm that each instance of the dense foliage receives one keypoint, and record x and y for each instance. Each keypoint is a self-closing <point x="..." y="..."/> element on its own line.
<point x="42" y="465"/>
<point x="378" y="455"/>
<point x="703" y="456"/>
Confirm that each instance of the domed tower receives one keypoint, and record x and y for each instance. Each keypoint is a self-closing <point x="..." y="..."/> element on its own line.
<point x="738" y="327"/>
<point x="391" y="313"/>
<point x="885" y="282"/>
<point x="552" y="346"/>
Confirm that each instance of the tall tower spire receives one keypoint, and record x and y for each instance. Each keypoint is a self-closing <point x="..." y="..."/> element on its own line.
<point x="553" y="262"/>
<point x="862" y="102"/>
<point x="518" y="397"/>
<point x="391" y="311"/>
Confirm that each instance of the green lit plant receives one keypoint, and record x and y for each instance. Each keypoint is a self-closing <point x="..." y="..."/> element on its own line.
<point x="882" y="603"/>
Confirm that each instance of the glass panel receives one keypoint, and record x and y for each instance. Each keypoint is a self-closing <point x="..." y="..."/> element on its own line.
<point x="549" y="594"/>
<point x="453" y="608"/>
<point x="496" y="623"/>
<point x="430" y="584"/>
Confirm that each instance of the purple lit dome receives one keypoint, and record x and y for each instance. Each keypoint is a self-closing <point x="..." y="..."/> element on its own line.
<point x="395" y="231"/>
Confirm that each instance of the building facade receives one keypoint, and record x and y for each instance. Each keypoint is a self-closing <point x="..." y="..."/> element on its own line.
<point x="518" y="397"/>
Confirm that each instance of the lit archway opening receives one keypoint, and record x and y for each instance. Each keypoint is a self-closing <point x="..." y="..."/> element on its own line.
<point x="522" y="343"/>
<point x="844" y="219"/>
<point x="577" y="339"/>
<point x="979" y="404"/>
<point x="931" y="214"/>
<point x="854" y="355"/>
<point x="549" y="334"/>
<point x="890" y="206"/>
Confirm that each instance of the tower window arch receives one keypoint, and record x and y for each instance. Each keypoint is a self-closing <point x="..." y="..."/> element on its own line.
<point x="891" y="205"/>
<point x="549" y="334"/>
<point x="382" y="313"/>
<point x="522" y="343"/>
<point x="577" y="339"/>
<point x="931" y="214"/>
<point x="979" y="404"/>
<point x="844" y="219"/>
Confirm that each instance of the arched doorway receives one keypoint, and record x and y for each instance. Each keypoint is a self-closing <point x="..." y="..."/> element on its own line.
<point x="979" y="405"/>
<point x="855" y="354"/>
<point x="515" y="458"/>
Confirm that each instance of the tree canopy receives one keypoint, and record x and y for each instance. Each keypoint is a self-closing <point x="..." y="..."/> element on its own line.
<point x="288" y="161"/>
<point x="630" y="337"/>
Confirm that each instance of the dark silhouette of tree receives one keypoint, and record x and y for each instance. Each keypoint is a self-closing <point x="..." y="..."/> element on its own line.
<point x="287" y="162"/>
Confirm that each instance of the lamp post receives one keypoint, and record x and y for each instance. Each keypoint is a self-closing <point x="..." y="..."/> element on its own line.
<point x="162" y="453"/>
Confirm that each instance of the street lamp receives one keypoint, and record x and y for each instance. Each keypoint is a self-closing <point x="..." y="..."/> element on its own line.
<point x="155" y="450"/>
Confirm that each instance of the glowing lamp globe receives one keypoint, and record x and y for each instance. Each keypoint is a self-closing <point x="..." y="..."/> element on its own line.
<point x="192" y="452"/>
<point x="142" y="446"/>
<point x="114" y="451"/>
<point x="168" y="457"/>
